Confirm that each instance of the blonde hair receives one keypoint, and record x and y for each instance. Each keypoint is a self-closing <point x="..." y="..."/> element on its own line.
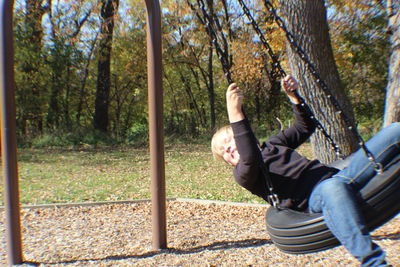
<point x="218" y="140"/>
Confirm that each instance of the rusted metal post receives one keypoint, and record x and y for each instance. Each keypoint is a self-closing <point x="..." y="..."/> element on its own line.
<point x="9" y="144"/>
<point x="156" y="125"/>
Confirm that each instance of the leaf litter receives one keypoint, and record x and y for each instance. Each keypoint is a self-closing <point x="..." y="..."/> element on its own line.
<point x="198" y="234"/>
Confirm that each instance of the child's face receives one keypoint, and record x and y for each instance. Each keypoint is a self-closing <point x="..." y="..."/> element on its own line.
<point x="231" y="155"/>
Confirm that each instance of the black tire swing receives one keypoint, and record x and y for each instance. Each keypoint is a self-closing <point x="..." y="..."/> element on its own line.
<point x="301" y="232"/>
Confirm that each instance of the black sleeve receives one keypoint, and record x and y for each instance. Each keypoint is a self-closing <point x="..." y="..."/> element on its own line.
<point x="247" y="171"/>
<point x="301" y="130"/>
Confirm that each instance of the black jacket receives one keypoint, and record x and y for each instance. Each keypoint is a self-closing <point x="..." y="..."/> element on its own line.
<point x="293" y="176"/>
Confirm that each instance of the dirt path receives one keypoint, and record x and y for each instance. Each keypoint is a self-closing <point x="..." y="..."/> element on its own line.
<point x="199" y="234"/>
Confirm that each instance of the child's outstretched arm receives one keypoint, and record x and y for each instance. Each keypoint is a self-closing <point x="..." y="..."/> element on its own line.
<point x="234" y="99"/>
<point x="303" y="126"/>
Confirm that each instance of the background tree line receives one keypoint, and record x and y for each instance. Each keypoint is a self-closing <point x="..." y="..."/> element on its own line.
<point x="81" y="67"/>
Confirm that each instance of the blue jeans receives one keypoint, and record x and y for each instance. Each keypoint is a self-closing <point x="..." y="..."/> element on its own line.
<point x="336" y="197"/>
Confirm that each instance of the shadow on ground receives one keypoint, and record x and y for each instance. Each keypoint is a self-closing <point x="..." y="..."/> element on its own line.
<point x="222" y="245"/>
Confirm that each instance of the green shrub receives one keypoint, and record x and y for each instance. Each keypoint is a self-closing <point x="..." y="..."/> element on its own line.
<point x="48" y="140"/>
<point x="138" y="134"/>
<point x="76" y="138"/>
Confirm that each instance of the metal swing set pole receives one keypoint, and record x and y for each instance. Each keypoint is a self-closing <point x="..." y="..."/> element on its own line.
<point x="8" y="137"/>
<point x="156" y="125"/>
<point x="8" y="130"/>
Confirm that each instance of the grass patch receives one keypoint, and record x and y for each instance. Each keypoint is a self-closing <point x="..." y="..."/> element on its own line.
<point x="123" y="173"/>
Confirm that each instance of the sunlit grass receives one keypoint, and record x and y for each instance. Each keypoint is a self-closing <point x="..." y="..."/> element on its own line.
<point x="107" y="174"/>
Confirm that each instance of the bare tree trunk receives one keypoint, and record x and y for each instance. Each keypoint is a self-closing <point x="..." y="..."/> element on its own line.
<point x="210" y="88"/>
<point x="60" y="90"/>
<point x="392" y="105"/>
<point x="0" y="140"/>
<point x="108" y="10"/>
<point x="33" y="22"/>
<point x="307" y="21"/>
<point x="82" y="88"/>
<point x="174" y="120"/>
<point x="208" y="79"/>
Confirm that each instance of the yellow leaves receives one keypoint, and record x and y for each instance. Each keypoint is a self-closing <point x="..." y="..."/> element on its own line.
<point x="352" y="6"/>
<point x="251" y="57"/>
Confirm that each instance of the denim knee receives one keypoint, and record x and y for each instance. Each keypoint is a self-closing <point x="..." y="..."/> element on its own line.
<point x="394" y="128"/>
<point x="396" y="125"/>
<point x="329" y="192"/>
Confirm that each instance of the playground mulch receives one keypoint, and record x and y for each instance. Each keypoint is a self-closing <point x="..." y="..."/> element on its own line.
<point x="199" y="234"/>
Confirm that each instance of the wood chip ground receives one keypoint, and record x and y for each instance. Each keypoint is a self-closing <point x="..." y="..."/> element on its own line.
<point x="199" y="234"/>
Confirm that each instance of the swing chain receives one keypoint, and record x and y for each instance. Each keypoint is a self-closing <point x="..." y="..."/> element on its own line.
<point x="321" y="83"/>
<point x="263" y="40"/>
<point x="273" y="199"/>
<point x="282" y="72"/>
<point x="222" y="56"/>
<point x="269" y="6"/>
